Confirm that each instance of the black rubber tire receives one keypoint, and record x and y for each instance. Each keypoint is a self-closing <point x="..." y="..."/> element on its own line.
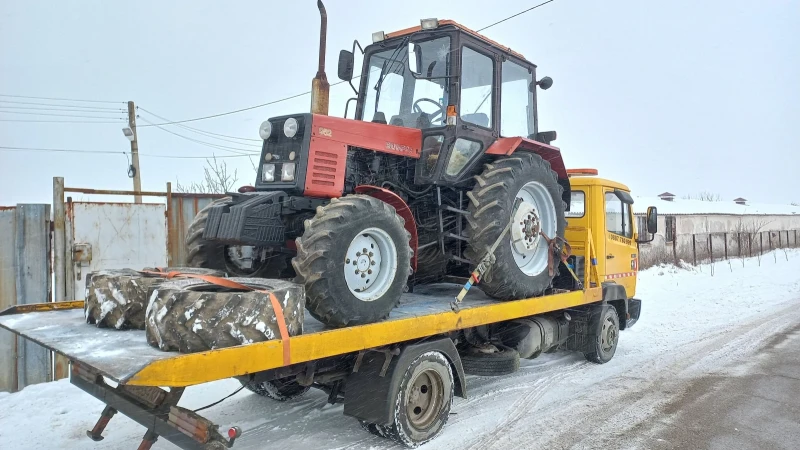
<point x="281" y="390"/>
<point x="117" y="298"/>
<point x="402" y="430"/>
<point x="598" y="355"/>
<point x="431" y="265"/>
<point x="322" y="250"/>
<point x="212" y="254"/>
<point x="491" y="203"/>
<point x="372" y="429"/>
<point x="504" y="362"/>
<point x="191" y="315"/>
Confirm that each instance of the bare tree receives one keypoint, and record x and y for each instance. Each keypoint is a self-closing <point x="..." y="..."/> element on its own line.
<point x="751" y="230"/>
<point x="704" y="196"/>
<point x="217" y="179"/>
<point x="795" y="204"/>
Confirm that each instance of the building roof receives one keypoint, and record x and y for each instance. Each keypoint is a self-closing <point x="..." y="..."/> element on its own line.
<point x="699" y="207"/>
<point x="666" y="194"/>
<point x="740" y="199"/>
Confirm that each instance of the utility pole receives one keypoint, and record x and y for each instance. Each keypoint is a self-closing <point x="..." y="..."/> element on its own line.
<point x="137" y="177"/>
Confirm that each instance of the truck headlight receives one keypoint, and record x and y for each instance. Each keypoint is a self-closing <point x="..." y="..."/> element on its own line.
<point x="287" y="172"/>
<point x="265" y="130"/>
<point x="268" y="172"/>
<point x="290" y="127"/>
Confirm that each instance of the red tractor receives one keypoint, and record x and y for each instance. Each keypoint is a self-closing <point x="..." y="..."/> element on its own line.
<point x="413" y="191"/>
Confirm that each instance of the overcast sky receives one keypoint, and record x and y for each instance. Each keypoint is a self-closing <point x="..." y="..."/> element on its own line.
<point x="682" y="96"/>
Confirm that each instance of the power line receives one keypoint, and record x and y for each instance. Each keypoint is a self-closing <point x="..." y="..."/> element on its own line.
<point x="57" y="121"/>
<point x="58" y="99"/>
<point x="515" y="15"/>
<point x="36" y="108"/>
<point x="61" y="105"/>
<point x="239" y="151"/>
<point x="203" y="132"/>
<point x="58" y="115"/>
<point x="68" y="150"/>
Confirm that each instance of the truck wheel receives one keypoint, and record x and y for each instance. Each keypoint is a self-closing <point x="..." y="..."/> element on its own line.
<point x="191" y="315"/>
<point x="279" y="390"/>
<point x="423" y="402"/>
<point x="118" y="298"/>
<point x="354" y="260"/>
<point x="236" y="260"/>
<point x="502" y="362"/>
<point x="521" y="260"/>
<point x="605" y="344"/>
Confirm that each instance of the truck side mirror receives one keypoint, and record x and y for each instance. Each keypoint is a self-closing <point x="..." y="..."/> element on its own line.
<point x="652" y="220"/>
<point x="346" y="62"/>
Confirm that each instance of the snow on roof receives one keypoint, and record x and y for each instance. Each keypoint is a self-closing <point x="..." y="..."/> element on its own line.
<point x="683" y="206"/>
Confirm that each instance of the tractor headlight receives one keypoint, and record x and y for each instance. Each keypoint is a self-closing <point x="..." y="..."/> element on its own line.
<point x="290" y="127"/>
<point x="287" y="172"/>
<point x="265" y="130"/>
<point x="268" y="172"/>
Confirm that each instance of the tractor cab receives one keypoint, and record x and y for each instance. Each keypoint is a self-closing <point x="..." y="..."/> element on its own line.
<point x="462" y="90"/>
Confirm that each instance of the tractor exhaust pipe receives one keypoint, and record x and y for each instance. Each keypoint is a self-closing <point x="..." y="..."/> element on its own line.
<point x="320" y="88"/>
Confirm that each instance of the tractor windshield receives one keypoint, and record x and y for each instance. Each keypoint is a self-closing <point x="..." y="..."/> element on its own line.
<point x="395" y="95"/>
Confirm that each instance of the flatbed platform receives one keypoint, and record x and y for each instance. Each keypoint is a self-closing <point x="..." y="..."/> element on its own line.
<point x="126" y="358"/>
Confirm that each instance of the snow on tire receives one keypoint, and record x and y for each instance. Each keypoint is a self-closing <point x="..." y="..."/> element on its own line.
<point x="192" y="315"/>
<point x="117" y="298"/>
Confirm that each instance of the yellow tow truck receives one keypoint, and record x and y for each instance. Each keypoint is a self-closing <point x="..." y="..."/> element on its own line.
<point x="397" y="377"/>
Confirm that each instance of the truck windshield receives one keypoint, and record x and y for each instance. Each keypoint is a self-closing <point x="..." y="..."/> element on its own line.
<point x="393" y="94"/>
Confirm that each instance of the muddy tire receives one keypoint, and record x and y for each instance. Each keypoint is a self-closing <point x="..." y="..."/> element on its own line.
<point x="190" y="315"/>
<point x="605" y="344"/>
<point x="281" y="390"/>
<point x="520" y="269"/>
<point x="353" y="259"/>
<point x="215" y="255"/>
<point x="503" y="362"/>
<point x="118" y="298"/>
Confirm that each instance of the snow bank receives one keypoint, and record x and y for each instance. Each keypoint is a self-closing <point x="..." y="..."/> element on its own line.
<point x="683" y="311"/>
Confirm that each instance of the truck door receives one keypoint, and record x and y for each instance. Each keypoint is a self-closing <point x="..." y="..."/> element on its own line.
<point x="621" y="252"/>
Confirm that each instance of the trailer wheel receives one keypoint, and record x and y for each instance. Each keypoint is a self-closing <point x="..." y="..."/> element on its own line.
<point x="605" y="344"/>
<point x="521" y="260"/>
<point x="191" y="315"/>
<point x="230" y="258"/>
<point x="118" y="298"/>
<point x="502" y="362"/>
<point x="423" y="402"/>
<point x="354" y="259"/>
<point x="279" y="390"/>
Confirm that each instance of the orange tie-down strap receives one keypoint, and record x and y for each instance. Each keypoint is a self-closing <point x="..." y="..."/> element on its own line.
<point x="228" y="283"/>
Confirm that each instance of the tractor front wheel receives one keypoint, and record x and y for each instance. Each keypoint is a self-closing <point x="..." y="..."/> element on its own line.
<point x="354" y="260"/>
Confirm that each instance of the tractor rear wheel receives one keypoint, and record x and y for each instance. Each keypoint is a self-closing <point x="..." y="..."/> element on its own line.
<point x="521" y="260"/>
<point x="354" y="259"/>
<point x="235" y="260"/>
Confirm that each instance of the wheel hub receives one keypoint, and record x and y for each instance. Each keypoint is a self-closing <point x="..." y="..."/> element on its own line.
<point x="536" y="215"/>
<point x="608" y="335"/>
<point x="526" y="228"/>
<point x="425" y="399"/>
<point x="370" y="263"/>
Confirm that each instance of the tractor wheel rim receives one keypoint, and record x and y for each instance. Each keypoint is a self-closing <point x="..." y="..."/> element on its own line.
<point x="370" y="264"/>
<point x="608" y="335"/>
<point x="425" y="399"/>
<point x="536" y="214"/>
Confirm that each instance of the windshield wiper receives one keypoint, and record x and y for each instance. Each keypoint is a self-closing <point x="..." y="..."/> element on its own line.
<point x="384" y="71"/>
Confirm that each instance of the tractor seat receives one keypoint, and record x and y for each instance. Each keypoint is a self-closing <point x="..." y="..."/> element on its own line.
<point x="479" y="119"/>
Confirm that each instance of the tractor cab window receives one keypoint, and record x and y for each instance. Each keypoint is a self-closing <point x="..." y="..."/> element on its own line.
<point x="396" y="96"/>
<point x="477" y="88"/>
<point x="516" y="101"/>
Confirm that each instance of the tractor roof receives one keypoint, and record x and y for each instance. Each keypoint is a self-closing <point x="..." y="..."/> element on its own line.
<point x="410" y="30"/>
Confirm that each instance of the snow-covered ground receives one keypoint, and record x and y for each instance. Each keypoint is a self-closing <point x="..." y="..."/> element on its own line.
<point x="692" y="324"/>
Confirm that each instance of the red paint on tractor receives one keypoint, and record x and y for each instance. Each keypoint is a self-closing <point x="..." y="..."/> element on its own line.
<point x="507" y="146"/>
<point x="327" y="162"/>
<point x="400" y="141"/>
<point x="402" y="209"/>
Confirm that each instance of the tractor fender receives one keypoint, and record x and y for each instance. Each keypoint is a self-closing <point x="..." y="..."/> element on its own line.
<point x="402" y="209"/>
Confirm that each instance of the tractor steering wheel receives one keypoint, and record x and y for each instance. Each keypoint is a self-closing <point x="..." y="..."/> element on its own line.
<point x="433" y="116"/>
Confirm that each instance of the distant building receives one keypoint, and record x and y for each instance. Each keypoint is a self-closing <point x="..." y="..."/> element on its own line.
<point x="740" y="201"/>
<point x="666" y="196"/>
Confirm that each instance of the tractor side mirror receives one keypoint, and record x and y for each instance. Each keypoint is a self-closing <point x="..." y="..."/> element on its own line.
<point x="346" y="63"/>
<point x="415" y="58"/>
<point x="652" y="220"/>
<point x="545" y="83"/>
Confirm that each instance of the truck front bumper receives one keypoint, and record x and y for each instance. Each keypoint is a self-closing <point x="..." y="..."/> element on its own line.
<point x="253" y="218"/>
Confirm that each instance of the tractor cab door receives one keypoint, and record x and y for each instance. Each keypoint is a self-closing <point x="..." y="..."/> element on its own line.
<point x="621" y="253"/>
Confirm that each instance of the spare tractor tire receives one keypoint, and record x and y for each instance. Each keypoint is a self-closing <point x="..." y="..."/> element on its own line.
<point x="503" y="362"/>
<point x="192" y="315"/>
<point x="117" y="298"/>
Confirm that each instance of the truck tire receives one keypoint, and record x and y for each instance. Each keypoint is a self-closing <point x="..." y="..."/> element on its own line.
<point x="605" y="343"/>
<point x="354" y="259"/>
<point x="191" y="315"/>
<point x="118" y="298"/>
<point x="520" y="269"/>
<point x="503" y="362"/>
<point x="423" y="402"/>
<point x="216" y="255"/>
<point x="281" y="390"/>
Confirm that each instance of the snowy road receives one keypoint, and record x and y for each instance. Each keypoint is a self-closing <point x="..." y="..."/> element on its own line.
<point x="696" y="330"/>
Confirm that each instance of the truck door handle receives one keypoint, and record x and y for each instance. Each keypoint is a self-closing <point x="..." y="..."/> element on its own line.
<point x="609" y="256"/>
